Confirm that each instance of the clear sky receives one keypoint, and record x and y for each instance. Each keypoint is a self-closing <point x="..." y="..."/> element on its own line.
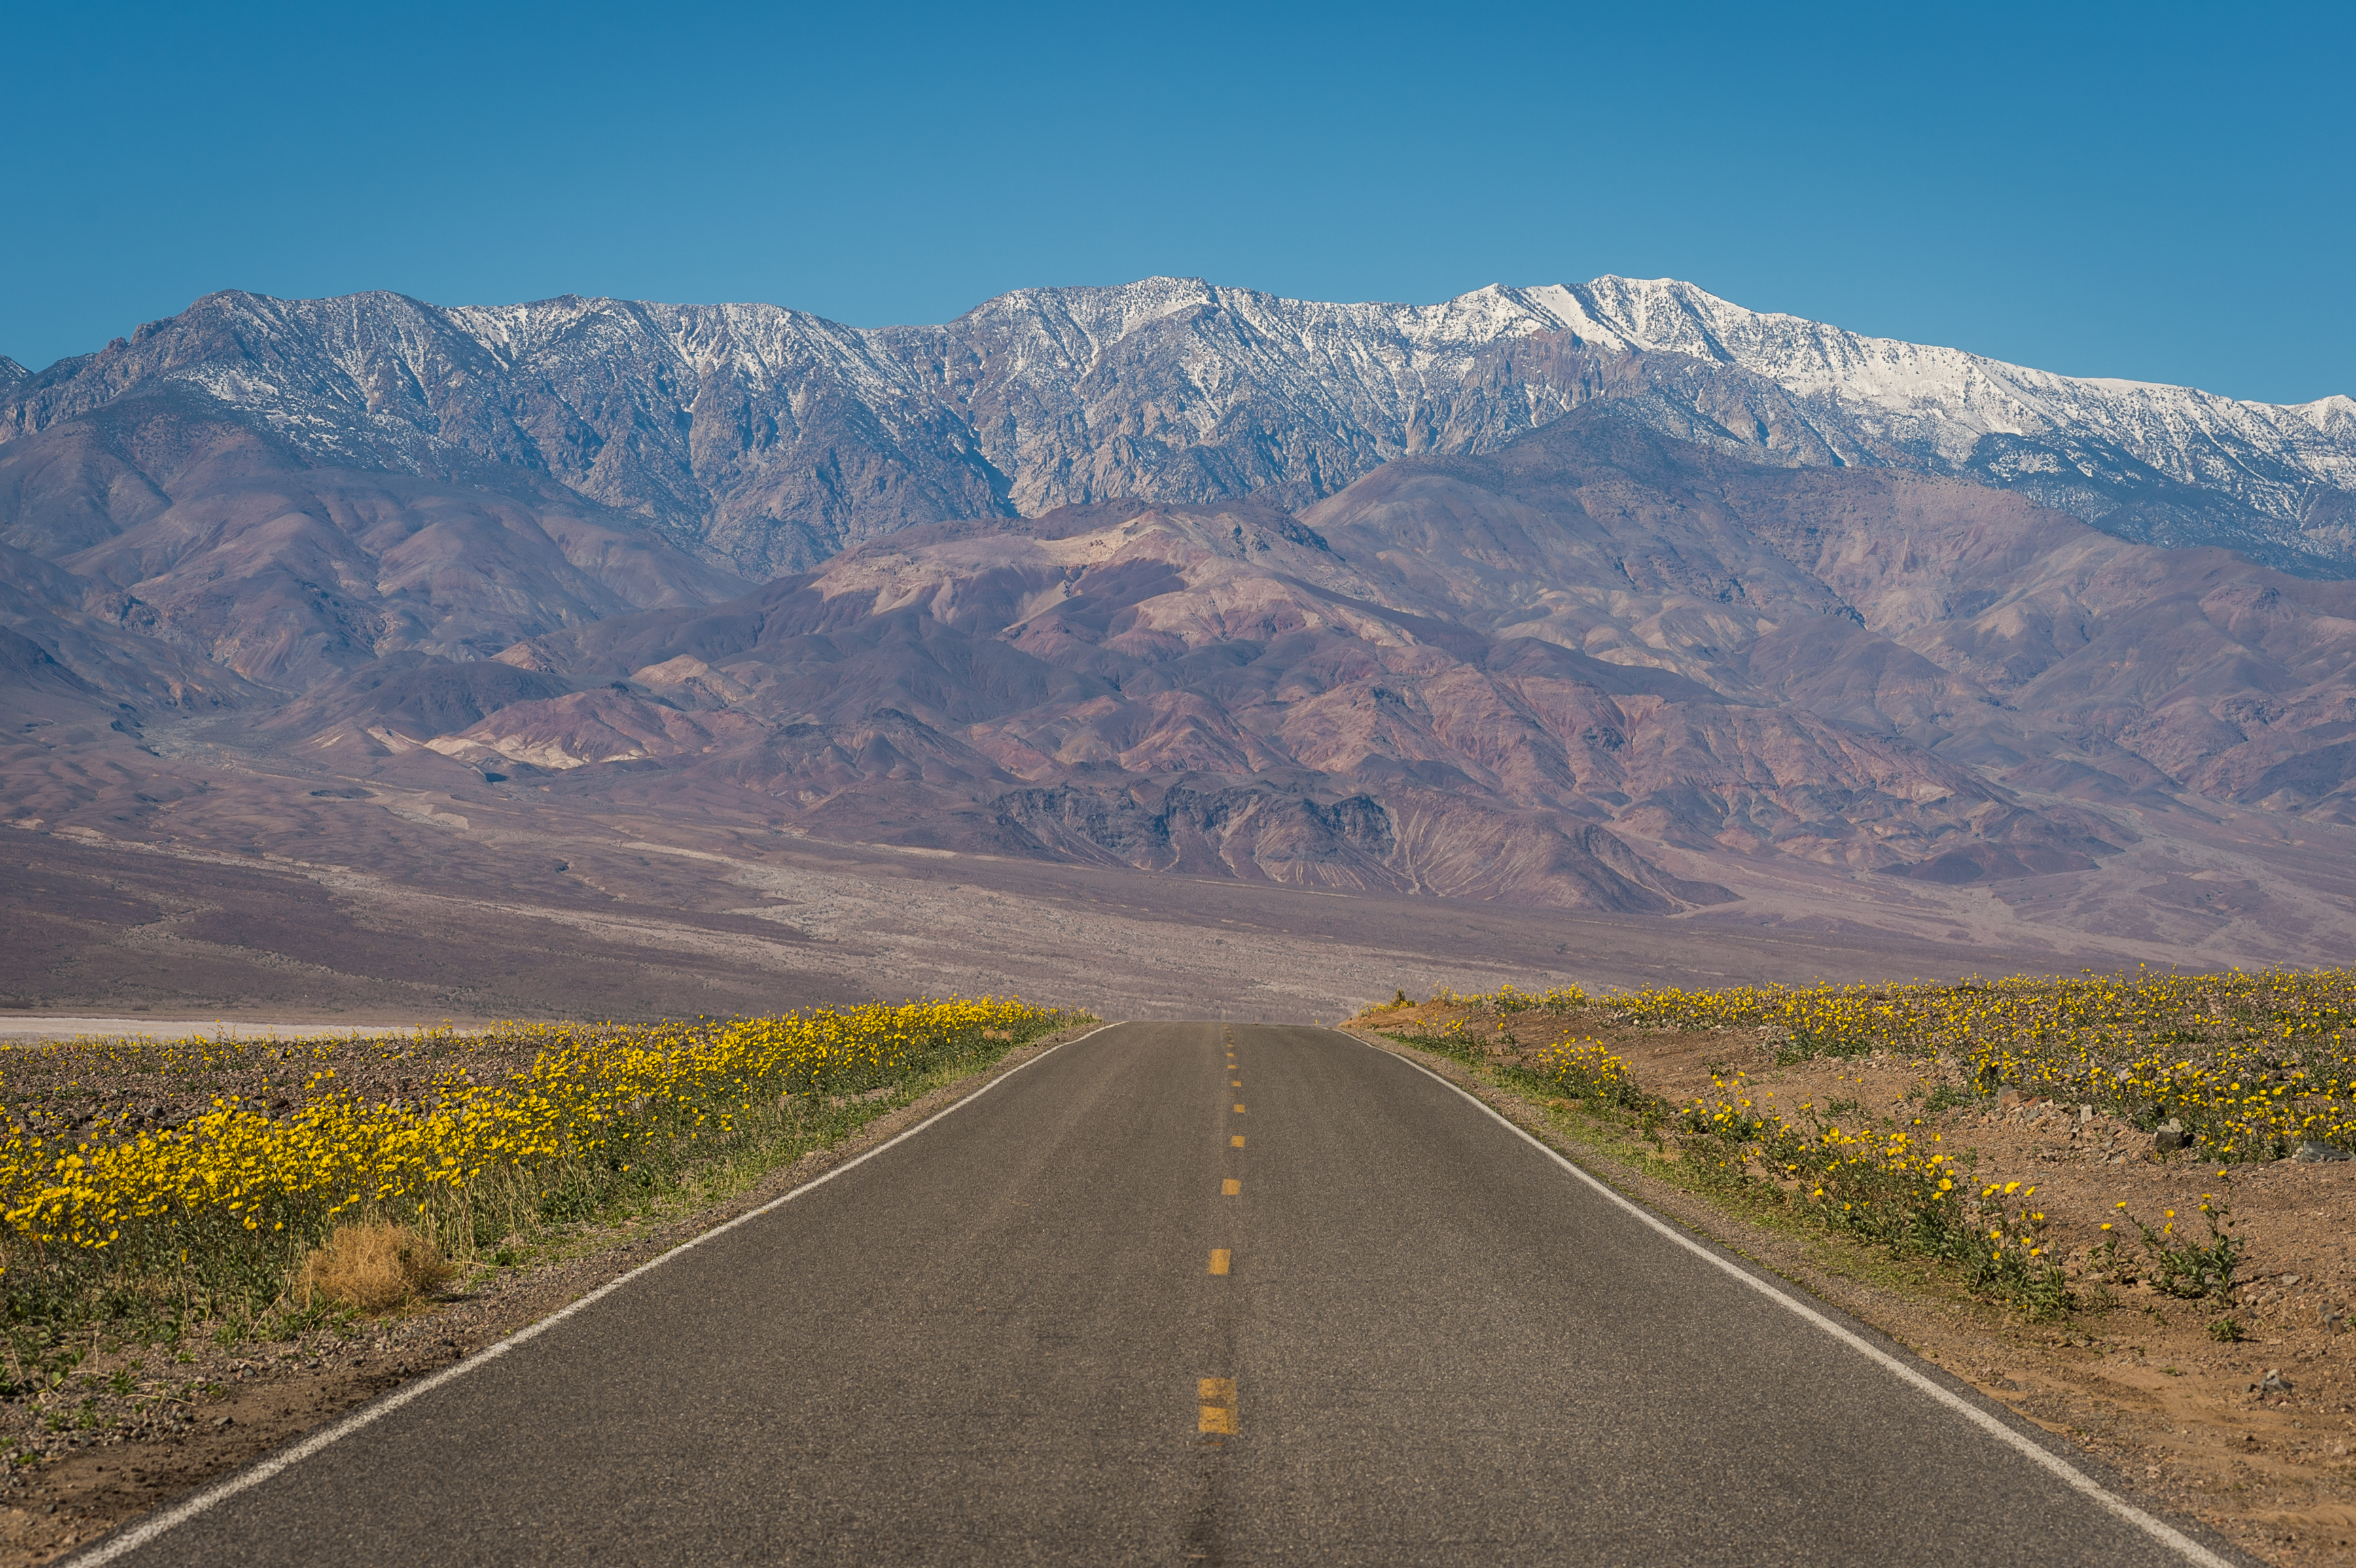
<point x="2152" y="191"/>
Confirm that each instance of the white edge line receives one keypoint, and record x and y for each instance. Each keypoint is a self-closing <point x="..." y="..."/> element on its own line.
<point x="171" y="1519"/>
<point x="2076" y="1479"/>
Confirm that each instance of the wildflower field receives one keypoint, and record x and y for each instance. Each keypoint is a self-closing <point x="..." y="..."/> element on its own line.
<point x="161" y="1183"/>
<point x="2227" y="1069"/>
<point x="2250" y="1066"/>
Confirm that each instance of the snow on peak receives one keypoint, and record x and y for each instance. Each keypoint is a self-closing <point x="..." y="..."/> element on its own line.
<point x="1165" y="387"/>
<point x="1946" y="398"/>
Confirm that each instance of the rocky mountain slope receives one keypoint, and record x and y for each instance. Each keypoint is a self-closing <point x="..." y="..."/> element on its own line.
<point x="1877" y="398"/>
<point x="172" y="517"/>
<point x="761" y="439"/>
<point x="1583" y="671"/>
<point x="1613" y="598"/>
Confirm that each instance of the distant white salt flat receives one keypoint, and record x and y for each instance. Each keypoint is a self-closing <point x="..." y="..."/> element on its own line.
<point x="30" y="1028"/>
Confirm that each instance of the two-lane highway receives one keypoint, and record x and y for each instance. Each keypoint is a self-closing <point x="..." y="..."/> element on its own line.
<point x="1179" y="1293"/>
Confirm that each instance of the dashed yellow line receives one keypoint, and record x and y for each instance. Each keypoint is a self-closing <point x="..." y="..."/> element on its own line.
<point x="1215" y="1400"/>
<point x="1237" y="1142"/>
<point x="1230" y="1188"/>
<point x="1219" y="1259"/>
<point x="1239" y="1110"/>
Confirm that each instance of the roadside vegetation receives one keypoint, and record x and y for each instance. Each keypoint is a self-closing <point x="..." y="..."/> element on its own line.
<point x="2246" y="1066"/>
<point x="2233" y="1068"/>
<point x="2117" y="1204"/>
<point x="251" y="1190"/>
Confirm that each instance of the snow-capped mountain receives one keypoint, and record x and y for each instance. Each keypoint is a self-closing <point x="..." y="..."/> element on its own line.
<point x="764" y="439"/>
<point x="1882" y="399"/>
<point x="1605" y="596"/>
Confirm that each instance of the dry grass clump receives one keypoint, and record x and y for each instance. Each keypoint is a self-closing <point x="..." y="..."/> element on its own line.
<point x="375" y="1266"/>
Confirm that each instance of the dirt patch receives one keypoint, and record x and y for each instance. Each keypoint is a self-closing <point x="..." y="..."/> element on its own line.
<point x="2255" y="1437"/>
<point x="159" y="1423"/>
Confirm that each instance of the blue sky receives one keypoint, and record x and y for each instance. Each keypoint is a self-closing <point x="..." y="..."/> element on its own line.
<point x="2155" y="192"/>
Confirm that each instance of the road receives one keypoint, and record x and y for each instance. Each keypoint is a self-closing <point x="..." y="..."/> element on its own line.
<point x="1009" y="1337"/>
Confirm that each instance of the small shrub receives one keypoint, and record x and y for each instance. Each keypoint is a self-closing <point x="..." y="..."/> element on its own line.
<point x="2227" y="1330"/>
<point x="2192" y="1269"/>
<point x="374" y="1265"/>
<point x="1947" y="1096"/>
<point x="2013" y="1261"/>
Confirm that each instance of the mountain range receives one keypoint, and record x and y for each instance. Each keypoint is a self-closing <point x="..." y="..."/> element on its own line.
<point x="1613" y="597"/>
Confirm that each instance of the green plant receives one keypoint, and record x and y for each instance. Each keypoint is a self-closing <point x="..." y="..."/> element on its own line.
<point x="1947" y="1096"/>
<point x="2189" y="1268"/>
<point x="2010" y="1259"/>
<point x="2227" y="1331"/>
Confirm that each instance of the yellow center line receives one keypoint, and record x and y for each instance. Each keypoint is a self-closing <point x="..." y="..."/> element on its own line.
<point x="1239" y="1110"/>
<point x="1219" y="1256"/>
<point x="1230" y="1188"/>
<point x="1238" y="1141"/>
<point x="1235" y="1083"/>
<point x="1215" y="1399"/>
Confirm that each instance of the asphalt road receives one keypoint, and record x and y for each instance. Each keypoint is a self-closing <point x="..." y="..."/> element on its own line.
<point x="1007" y="1340"/>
